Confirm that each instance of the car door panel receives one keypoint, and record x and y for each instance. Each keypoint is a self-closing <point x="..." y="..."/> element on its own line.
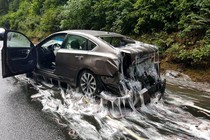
<point x="18" y="54"/>
<point x="70" y="58"/>
<point x="69" y="62"/>
<point x="19" y="58"/>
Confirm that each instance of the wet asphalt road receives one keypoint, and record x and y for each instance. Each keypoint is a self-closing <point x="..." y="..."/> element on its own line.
<point x="20" y="119"/>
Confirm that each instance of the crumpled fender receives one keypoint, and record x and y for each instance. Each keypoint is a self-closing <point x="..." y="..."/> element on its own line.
<point x="107" y="67"/>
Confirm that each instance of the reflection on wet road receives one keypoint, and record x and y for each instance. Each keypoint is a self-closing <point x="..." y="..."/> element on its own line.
<point x="20" y="119"/>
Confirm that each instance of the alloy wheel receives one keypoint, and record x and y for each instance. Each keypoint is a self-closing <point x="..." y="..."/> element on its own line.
<point x="88" y="83"/>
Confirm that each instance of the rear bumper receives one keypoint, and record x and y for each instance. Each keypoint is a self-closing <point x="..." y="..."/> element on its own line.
<point x="160" y="87"/>
<point x="113" y="84"/>
<point x="136" y="97"/>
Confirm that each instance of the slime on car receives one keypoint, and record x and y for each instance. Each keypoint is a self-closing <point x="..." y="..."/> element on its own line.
<point x="92" y="60"/>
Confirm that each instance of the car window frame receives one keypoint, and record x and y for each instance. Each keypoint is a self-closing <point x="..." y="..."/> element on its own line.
<point x="87" y="38"/>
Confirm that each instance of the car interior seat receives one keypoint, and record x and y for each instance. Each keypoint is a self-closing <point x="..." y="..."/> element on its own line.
<point x="75" y="45"/>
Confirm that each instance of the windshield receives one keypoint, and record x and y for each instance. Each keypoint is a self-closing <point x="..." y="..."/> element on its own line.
<point x="117" y="41"/>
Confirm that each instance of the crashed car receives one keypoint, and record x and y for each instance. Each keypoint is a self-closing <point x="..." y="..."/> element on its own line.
<point x="88" y="59"/>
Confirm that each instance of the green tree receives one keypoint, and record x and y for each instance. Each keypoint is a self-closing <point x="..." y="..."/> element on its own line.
<point x="155" y="15"/>
<point x="4" y="6"/>
<point x="113" y="15"/>
<point x="76" y="14"/>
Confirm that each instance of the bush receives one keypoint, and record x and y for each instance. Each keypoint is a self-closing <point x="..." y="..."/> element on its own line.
<point x="196" y="56"/>
<point x="180" y="28"/>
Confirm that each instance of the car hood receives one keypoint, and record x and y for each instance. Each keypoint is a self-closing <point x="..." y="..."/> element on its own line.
<point x="138" y="48"/>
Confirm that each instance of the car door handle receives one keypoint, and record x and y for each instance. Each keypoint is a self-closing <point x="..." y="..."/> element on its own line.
<point x="25" y="52"/>
<point x="79" y="57"/>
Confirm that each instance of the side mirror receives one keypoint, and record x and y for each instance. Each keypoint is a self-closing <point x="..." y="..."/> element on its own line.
<point x="2" y="32"/>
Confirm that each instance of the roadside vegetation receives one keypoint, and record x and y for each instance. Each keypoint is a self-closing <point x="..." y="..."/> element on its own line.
<point x="180" y="28"/>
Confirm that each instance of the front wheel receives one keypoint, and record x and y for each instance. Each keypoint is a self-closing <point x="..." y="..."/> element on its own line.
<point x="88" y="83"/>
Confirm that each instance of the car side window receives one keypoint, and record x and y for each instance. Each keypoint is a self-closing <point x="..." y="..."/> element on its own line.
<point x="91" y="45"/>
<point x="17" y="40"/>
<point x="117" y="41"/>
<point x="78" y="43"/>
<point x="55" y="40"/>
<point x="54" y="43"/>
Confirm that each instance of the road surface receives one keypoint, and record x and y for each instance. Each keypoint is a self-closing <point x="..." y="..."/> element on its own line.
<point x="20" y="119"/>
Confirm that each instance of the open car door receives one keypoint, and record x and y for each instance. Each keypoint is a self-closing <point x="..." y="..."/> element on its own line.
<point x="18" y="53"/>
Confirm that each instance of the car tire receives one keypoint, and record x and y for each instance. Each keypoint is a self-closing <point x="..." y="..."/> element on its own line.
<point x="88" y="83"/>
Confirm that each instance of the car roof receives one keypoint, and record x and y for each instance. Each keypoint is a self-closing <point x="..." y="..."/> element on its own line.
<point x="91" y="32"/>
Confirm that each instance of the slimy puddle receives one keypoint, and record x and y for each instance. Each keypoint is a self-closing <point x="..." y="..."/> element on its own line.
<point x="85" y="117"/>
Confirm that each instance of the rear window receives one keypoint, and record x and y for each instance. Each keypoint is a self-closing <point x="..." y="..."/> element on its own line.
<point x="117" y="41"/>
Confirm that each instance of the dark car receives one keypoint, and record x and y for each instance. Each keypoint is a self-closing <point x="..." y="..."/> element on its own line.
<point x="88" y="59"/>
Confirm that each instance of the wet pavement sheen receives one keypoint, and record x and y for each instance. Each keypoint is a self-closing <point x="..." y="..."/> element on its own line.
<point x="19" y="118"/>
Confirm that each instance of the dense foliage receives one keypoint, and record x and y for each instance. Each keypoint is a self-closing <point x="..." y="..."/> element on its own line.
<point x="181" y="28"/>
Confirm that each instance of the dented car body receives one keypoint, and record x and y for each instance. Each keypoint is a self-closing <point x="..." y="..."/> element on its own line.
<point x="88" y="59"/>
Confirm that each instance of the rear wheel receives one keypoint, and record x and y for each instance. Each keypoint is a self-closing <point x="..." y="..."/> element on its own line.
<point x="88" y="83"/>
